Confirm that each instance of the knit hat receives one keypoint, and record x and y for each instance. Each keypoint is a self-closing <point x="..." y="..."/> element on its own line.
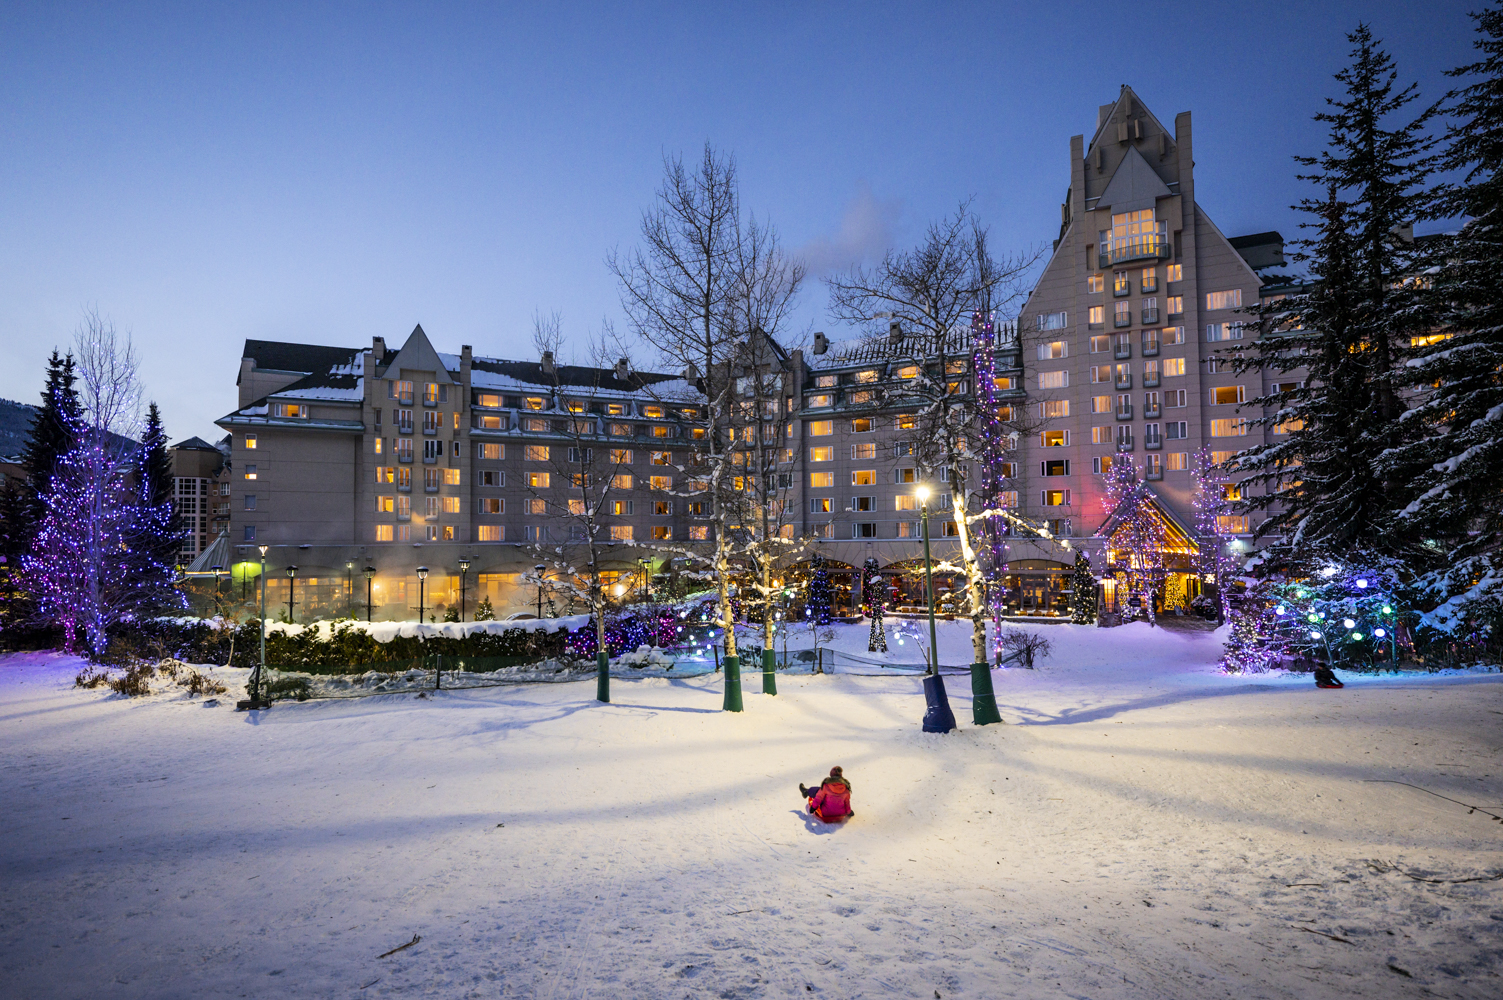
<point x="835" y="772"/>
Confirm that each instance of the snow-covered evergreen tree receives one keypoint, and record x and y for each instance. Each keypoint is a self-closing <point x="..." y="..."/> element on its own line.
<point x="1457" y="467"/>
<point x="874" y="595"/>
<point x="1351" y="330"/>
<point x="1082" y="591"/>
<point x="818" y="611"/>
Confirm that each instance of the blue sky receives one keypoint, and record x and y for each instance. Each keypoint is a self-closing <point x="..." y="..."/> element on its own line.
<point x="205" y="173"/>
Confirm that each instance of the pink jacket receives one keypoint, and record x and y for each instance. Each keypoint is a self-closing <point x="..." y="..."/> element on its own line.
<point x="833" y="800"/>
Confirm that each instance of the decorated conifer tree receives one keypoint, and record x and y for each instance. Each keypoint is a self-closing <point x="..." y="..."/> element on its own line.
<point x="1456" y="468"/>
<point x="1082" y="591"/>
<point x="1212" y="498"/>
<point x="484" y="611"/>
<point x="157" y="531"/>
<point x="874" y="591"/>
<point x="819" y="592"/>
<point x="54" y="431"/>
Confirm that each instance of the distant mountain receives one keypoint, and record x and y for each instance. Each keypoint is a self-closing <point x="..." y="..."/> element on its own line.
<point x="15" y="427"/>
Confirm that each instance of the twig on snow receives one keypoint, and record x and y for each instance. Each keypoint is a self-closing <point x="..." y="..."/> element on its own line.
<point x="1312" y="930"/>
<point x="1383" y="868"/>
<point x="1469" y="807"/>
<point x="400" y="947"/>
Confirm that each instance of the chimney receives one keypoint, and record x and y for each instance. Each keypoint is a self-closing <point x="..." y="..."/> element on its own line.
<point x="622" y="370"/>
<point x="895" y="333"/>
<point x="821" y="343"/>
<point x="378" y="348"/>
<point x="547" y="363"/>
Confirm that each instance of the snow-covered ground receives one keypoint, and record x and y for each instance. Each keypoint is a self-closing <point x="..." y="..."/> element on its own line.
<point x="1142" y="827"/>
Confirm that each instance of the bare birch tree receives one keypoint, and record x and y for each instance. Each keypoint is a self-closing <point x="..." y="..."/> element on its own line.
<point x="926" y="297"/>
<point x="701" y="280"/>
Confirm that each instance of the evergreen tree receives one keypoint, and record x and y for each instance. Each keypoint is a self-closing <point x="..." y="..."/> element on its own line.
<point x="1457" y="469"/>
<point x="819" y="592"/>
<point x="484" y="612"/>
<point x="873" y="589"/>
<point x="157" y="532"/>
<point x="54" y="431"/>
<point x="1082" y="591"/>
<point x="1352" y="327"/>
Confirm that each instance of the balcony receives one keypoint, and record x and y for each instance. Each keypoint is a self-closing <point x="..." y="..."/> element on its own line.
<point x="1154" y="472"/>
<point x="404" y="429"/>
<point x="405" y="399"/>
<point x="1124" y="441"/>
<point x="429" y="430"/>
<point x="1124" y="413"/>
<point x="1152" y="444"/>
<point x="1124" y="382"/>
<point x="1150" y="317"/>
<point x="430" y="489"/>
<point x="405" y="489"/>
<point x="1149" y="287"/>
<point x="1145" y="246"/>
<point x="430" y="459"/>
<point x="1121" y="319"/>
<point x="405" y="457"/>
<point x="1151" y="346"/>
<point x="1150" y="412"/>
<point x="403" y="517"/>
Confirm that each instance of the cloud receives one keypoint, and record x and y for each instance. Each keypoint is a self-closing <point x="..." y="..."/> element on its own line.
<point x="866" y="232"/>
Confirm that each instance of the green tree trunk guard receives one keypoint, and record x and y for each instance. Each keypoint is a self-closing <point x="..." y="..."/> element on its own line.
<point x="732" y="684"/>
<point x="983" y="698"/>
<point x="769" y="672"/>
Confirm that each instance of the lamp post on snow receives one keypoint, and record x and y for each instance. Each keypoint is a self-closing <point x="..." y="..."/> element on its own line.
<point x="291" y="590"/>
<point x="422" y="575"/>
<point x="540" y="569"/>
<point x="253" y="689"/>
<point x="464" y="574"/>
<point x="937" y="717"/>
<point x="370" y="574"/>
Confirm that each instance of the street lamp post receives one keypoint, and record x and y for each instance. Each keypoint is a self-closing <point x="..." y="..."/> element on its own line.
<point x="937" y="717"/>
<point x="540" y="569"/>
<point x="422" y="575"/>
<point x="349" y="587"/>
<point x="253" y="689"/>
<point x="291" y="590"/>
<point x="464" y="574"/>
<point x="217" y="570"/>
<point x="370" y="574"/>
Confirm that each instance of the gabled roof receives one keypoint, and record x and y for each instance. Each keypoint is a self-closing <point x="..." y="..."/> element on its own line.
<point x="1134" y="185"/>
<point x="418" y="355"/>
<point x="1133" y="100"/>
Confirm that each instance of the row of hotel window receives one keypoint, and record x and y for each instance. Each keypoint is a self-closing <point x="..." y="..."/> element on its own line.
<point x="533" y="533"/>
<point x="535" y="425"/>
<point x="1148" y="280"/>
<point x="1229" y="299"/>
<point x="1119" y="343"/>
<point x="622" y="408"/>
<point x="1121" y="435"/>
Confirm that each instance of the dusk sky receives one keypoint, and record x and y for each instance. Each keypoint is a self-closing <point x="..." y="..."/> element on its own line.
<point x="203" y="174"/>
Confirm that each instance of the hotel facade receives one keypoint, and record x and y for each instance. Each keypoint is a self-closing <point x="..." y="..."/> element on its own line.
<point x="395" y="458"/>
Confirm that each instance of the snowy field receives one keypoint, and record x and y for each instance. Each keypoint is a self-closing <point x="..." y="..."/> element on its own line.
<point x="1142" y="827"/>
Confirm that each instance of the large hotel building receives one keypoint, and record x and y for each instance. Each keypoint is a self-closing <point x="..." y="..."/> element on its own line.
<point x="400" y="457"/>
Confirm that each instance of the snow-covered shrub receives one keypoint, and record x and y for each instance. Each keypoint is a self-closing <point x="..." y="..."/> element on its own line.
<point x="92" y="677"/>
<point x="133" y="683"/>
<point x="281" y="688"/>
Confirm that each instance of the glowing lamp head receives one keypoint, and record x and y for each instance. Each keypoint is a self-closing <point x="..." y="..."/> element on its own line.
<point x="923" y="493"/>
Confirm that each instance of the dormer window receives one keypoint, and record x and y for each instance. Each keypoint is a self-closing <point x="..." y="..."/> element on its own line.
<point x="292" y="411"/>
<point x="533" y="402"/>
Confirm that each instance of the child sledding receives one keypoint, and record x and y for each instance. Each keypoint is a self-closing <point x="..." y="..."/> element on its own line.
<point x="831" y="801"/>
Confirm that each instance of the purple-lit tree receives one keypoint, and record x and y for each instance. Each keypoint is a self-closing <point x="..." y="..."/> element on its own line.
<point x="1212" y="496"/>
